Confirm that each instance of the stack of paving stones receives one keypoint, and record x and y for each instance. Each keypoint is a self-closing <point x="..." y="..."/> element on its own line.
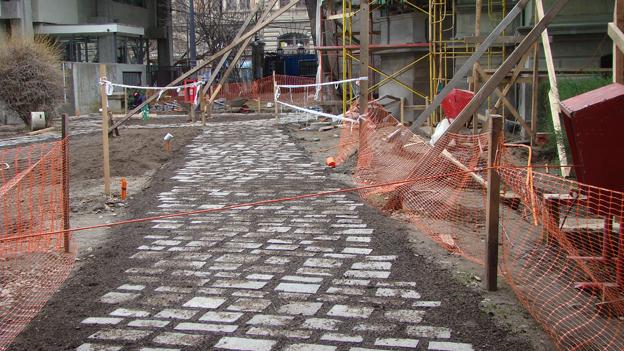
<point x="296" y="276"/>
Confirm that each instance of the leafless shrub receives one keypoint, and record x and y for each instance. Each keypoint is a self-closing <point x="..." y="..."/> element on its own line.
<point x="30" y="77"/>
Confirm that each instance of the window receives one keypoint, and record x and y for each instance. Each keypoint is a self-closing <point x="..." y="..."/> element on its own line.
<point x="139" y="3"/>
<point x="244" y="4"/>
<point x="132" y="78"/>
<point x="283" y="2"/>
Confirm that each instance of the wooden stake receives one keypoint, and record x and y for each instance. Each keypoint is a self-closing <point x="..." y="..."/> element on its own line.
<point x="105" y="156"/>
<point x="65" y="175"/>
<point x="125" y="101"/>
<point x="493" y="203"/>
<point x="202" y="107"/>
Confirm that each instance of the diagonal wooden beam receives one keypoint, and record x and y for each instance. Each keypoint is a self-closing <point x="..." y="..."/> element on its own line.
<point x="458" y="78"/>
<point x="514" y="78"/>
<point x="258" y="27"/>
<point x="225" y="56"/>
<point x="507" y="103"/>
<point x="491" y="85"/>
<point x="616" y="35"/>
<point x="553" y="94"/>
<point x="239" y="54"/>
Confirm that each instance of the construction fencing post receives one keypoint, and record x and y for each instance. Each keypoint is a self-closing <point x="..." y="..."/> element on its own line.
<point x="105" y="150"/>
<point x="492" y="206"/>
<point x="65" y="180"/>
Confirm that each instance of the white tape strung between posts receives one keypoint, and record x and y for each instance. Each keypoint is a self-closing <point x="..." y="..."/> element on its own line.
<point x="318" y="85"/>
<point x="318" y="113"/>
<point x="110" y="86"/>
<point x="321" y="84"/>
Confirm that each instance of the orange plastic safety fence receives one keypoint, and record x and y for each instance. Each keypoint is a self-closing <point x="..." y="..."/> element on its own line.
<point x="263" y="89"/>
<point x="563" y="254"/>
<point x="31" y="201"/>
<point x="562" y="241"/>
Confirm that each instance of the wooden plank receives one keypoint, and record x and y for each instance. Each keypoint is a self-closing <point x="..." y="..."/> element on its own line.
<point x="458" y="78"/>
<point x="512" y="81"/>
<point x="509" y="106"/>
<point x="105" y="149"/>
<point x="617" y="36"/>
<point x="492" y="206"/>
<point x="239" y="54"/>
<point x="364" y="55"/>
<point x="618" y="55"/>
<point x="553" y="94"/>
<point x="258" y="27"/>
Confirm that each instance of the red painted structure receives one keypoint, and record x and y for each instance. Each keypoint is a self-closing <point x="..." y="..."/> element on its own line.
<point x="594" y="124"/>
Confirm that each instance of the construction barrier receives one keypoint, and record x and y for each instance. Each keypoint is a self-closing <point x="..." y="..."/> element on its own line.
<point x="562" y="242"/>
<point x="262" y="89"/>
<point x="32" y="200"/>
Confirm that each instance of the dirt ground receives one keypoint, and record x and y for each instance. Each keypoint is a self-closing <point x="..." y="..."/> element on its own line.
<point x="136" y="155"/>
<point x="502" y="305"/>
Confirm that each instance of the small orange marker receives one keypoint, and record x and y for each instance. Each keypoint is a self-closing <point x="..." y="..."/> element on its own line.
<point x="330" y="162"/>
<point x="124" y="188"/>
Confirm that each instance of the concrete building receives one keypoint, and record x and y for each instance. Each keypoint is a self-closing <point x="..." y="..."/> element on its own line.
<point x="127" y="35"/>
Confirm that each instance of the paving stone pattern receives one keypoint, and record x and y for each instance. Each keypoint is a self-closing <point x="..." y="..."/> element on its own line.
<point x="295" y="276"/>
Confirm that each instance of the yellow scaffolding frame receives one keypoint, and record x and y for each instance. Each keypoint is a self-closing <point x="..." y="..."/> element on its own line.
<point x="442" y="49"/>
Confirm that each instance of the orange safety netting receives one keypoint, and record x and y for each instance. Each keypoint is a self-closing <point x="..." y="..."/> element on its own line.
<point x="562" y="242"/>
<point x="32" y="194"/>
<point x="263" y="89"/>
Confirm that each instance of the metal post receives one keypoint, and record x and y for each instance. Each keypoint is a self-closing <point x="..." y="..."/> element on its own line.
<point x="192" y="44"/>
<point x="65" y="176"/>
<point x="105" y="157"/>
<point x="493" y="203"/>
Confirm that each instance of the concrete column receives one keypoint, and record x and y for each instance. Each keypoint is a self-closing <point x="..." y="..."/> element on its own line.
<point x="23" y="26"/>
<point x="107" y="48"/>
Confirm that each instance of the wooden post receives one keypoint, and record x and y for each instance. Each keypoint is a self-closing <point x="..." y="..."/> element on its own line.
<point x="618" y="56"/>
<point x="535" y="91"/>
<point x="364" y="55"/>
<point x="65" y="176"/>
<point x="105" y="157"/>
<point x="192" y="111"/>
<point x="275" y="97"/>
<point x="493" y="203"/>
<point x="125" y="101"/>
<point x="202" y="107"/>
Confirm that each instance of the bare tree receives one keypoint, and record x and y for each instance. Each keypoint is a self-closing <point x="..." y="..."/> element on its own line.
<point x="216" y="25"/>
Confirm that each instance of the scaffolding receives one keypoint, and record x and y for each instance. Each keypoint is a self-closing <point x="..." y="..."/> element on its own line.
<point x="442" y="47"/>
